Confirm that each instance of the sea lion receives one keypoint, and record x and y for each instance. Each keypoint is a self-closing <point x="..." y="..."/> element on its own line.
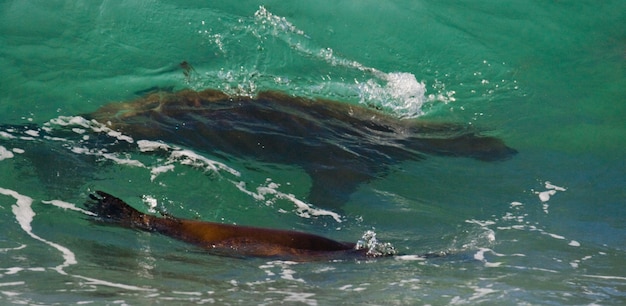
<point x="226" y="239"/>
<point x="340" y="145"/>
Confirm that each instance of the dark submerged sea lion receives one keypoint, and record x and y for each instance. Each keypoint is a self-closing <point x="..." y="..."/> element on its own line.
<point x="188" y="70"/>
<point x="225" y="239"/>
<point x="339" y="145"/>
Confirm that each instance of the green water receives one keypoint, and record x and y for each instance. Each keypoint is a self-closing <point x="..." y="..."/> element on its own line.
<point x="548" y="77"/>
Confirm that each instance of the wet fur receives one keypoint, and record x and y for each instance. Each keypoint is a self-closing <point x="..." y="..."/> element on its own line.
<point x="225" y="239"/>
<point x="340" y="145"/>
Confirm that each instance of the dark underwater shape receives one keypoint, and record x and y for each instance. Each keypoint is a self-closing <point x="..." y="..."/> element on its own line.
<point x="226" y="239"/>
<point x="339" y="145"/>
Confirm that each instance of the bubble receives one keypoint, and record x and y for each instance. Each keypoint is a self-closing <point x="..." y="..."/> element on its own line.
<point x="374" y="247"/>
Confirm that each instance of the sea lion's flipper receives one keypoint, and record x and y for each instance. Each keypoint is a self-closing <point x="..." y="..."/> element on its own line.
<point x="473" y="145"/>
<point x="112" y="209"/>
<point x="331" y="188"/>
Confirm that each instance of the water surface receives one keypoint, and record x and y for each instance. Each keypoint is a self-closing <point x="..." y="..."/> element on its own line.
<point x="545" y="227"/>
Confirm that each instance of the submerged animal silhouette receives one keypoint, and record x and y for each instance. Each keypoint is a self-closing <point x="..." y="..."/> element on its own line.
<point x="340" y="145"/>
<point x="225" y="239"/>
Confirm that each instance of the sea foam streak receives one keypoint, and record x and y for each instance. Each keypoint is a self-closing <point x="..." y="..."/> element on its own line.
<point x="5" y="154"/>
<point x="24" y="214"/>
<point x="269" y="193"/>
<point x="516" y="219"/>
<point x="399" y="92"/>
<point x="263" y="193"/>
<point x="176" y="156"/>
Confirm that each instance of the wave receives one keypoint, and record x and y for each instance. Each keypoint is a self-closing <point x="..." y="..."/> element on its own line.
<point x="399" y="93"/>
<point x="82" y="137"/>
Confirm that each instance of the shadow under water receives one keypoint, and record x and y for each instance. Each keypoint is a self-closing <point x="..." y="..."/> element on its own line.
<point x="339" y="145"/>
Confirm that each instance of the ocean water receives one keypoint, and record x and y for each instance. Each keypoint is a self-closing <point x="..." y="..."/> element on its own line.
<point x="545" y="227"/>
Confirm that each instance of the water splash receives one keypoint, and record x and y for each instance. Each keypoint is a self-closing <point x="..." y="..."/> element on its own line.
<point x="399" y="93"/>
<point x="276" y="23"/>
<point x="374" y="247"/>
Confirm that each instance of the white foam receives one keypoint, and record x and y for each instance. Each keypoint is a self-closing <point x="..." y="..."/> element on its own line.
<point x="610" y="277"/>
<point x="192" y="293"/>
<point x="95" y="281"/>
<point x="151" y="202"/>
<point x="410" y="257"/>
<point x="481" y="223"/>
<point x="188" y="157"/>
<point x="399" y="92"/>
<point x="32" y="133"/>
<point x="70" y="206"/>
<point x="481" y="292"/>
<point x="70" y="120"/>
<point x="303" y="209"/>
<point x="6" y="135"/>
<point x="115" y="134"/>
<point x="555" y="236"/>
<point x="156" y="171"/>
<point x="545" y="196"/>
<point x="242" y="187"/>
<point x="24" y="215"/>
<point x="19" y="283"/>
<point x="295" y="298"/>
<point x="480" y="254"/>
<point x="574" y="243"/>
<point x="279" y="24"/>
<point x="4" y="250"/>
<point x="286" y="272"/>
<point x="86" y="124"/>
<point x="5" y="154"/>
<point x="184" y="157"/>
<point x="110" y="156"/>
<point x="524" y="225"/>
<point x="150" y="146"/>
<point x="554" y="187"/>
<point x="13" y="270"/>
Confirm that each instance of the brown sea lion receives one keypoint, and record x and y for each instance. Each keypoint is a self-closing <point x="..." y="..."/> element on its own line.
<point x="226" y="239"/>
<point x="340" y="145"/>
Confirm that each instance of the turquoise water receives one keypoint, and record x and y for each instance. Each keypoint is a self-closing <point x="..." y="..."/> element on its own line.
<point x="545" y="227"/>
